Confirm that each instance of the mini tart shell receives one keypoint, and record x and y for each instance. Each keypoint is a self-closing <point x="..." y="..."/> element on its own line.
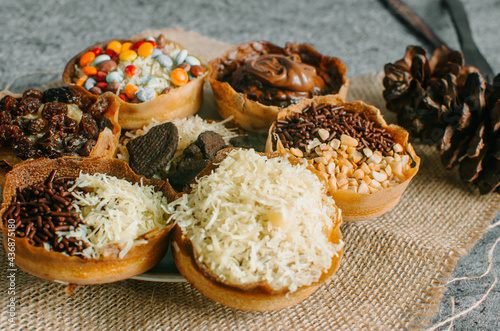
<point x="106" y="142"/>
<point x="58" y="267"/>
<point x="249" y="114"/>
<point x="253" y="296"/>
<point x="359" y="206"/>
<point x="180" y="102"/>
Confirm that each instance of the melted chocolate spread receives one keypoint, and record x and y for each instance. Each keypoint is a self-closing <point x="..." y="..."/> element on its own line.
<point x="276" y="79"/>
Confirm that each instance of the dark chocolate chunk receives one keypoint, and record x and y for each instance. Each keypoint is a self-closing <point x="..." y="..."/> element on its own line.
<point x="192" y="150"/>
<point x="210" y="143"/>
<point x="241" y="142"/>
<point x="151" y="152"/>
<point x="188" y="169"/>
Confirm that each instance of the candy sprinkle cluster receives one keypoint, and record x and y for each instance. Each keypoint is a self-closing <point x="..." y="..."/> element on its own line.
<point x="139" y="71"/>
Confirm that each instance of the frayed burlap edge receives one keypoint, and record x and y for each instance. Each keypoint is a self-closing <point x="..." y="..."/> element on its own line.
<point x="140" y="305"/>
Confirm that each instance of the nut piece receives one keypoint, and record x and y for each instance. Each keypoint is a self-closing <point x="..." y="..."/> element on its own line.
<point x="348" y="141"/>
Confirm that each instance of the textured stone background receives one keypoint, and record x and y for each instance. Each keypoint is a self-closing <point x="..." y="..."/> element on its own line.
<point x="44" y="35"/>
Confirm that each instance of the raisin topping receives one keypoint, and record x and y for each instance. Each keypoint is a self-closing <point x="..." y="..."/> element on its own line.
<point x="29" y="106"/>
<point x="99" y="107"/>
<point x="63" y="123"/>
<point x="5" y="118"/>
<point x="88" y="126"/>
<point x="9" y="133"/>
<point x="87" y="147"/>
<point x="33" y="93"/>
<point x="22" y="125"/>
<point x="52" y="144"/>
<point x="36" y="125"/>
<point x="103" y="123"/>
<point x="51" y="109"/>
<point x="11" y="105"/>
<point x="23" y="148"/>
<point x="74" y="143"/>
<point x="59" y="94"/>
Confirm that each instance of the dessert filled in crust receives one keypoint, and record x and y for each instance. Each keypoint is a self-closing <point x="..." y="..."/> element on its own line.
<point x="84" y="221"/>
<point x="153" y="78"/>
<point x="276" y="76"/>
<point x="351" y="145"/>
<point x="258" y="224"/>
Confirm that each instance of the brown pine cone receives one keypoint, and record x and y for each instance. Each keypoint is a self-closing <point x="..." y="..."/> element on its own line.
<point x="448" y="104"/>
<point x="479" y="158"/>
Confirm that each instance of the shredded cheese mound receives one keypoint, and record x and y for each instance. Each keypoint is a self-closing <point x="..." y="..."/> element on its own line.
<point x="115" y="212"/>
<point x="257" y="219"/>
<point x="189" y="129"/>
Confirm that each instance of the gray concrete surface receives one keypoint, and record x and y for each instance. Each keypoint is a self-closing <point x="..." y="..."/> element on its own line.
<point x="44" y="35"/>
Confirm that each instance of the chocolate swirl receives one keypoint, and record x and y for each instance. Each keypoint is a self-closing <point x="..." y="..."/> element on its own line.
<point x="277" y="76"/>
<point x="287" y="73"/>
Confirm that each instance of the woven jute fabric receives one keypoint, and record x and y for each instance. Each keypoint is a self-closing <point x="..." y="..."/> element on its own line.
<point x="391" y="277"/>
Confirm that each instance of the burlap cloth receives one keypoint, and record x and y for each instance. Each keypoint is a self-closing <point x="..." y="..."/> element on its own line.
<point x="391" y="277"/>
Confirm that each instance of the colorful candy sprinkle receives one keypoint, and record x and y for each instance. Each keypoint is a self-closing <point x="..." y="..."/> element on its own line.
<point x="197" y="71"/>
<point x="101" y="58"/>
<point x="102" y="70"/>
<point x="81" y="80"/>
<point x="165" y="60"/>
<point x="90" y="83"/>
<point x="179" y="76"/>
<point x="145" y="93"/>
<point x="87" y="58"/>
<point x="152" y="42"/>
<point x="130" y="70"/>
<point x="181" y="57"/>
<point x="156" y="52"/>
<point x="145" y="50"/>
<point x="130" y="91"/>
<point x="116" y="46"/>
<point x="101" y="76"/>
<point x="89" y="70"/>
<point x="114" y="77"/>
<point x="192" y="61"/>
<point x="128" y="55"/>
<point x="97" y="51"/>
<point x="102" y="85"/>
<point x="126" y="46"/>
<point x="136" y="45"/>
<point x="110" y="52"/>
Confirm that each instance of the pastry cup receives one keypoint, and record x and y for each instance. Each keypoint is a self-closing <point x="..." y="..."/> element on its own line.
<point x="179" y="102"/>
<point x="254" y="296"/>
<point x="253" y="115"/>
<point x="106" y="142"/>
<point x="359" y="206"/>
<point x="58" y="267"/>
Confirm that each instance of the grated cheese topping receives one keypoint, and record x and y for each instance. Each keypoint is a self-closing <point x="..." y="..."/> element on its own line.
<point x="257" y="219"/>
<point x="115" y="212"/>
<point x="189" y="129"/>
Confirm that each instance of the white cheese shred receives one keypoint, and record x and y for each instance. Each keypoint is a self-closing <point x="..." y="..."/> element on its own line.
<point x="257" y="219"/>
<point x="115" y="213"/>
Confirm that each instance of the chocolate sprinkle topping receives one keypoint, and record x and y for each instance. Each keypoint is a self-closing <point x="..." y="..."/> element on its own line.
<point x="296" y="130"/>
<point x="40" y="211"/>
